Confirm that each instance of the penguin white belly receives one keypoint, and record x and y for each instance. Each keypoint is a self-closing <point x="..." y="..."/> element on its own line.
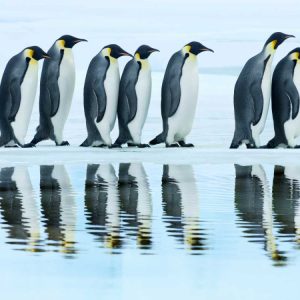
<point x="66" y="83"/>
<point x="143" y="92"/>
<point x="111" y="86"/>
<point x="266" y="91"/>
<point x="292" y="127"/>
<point x="180" y="124"/>
<point x="28" y="91"/>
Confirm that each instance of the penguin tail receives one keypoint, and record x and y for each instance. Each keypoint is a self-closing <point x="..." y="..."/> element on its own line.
<point x="158" y="140"/>
<point x="273" y="143"/>
<point x="86" y="143"/>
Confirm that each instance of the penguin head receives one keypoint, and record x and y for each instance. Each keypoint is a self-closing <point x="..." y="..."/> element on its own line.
<point x="68" y="41"/>
<point x="277" y="39"/>
<point x="295" y="54"/>
<point x="114" y="51"/>
<point x="195" y="48"/>
<point x="36" y="53"/>
<point x="144" y="51"/>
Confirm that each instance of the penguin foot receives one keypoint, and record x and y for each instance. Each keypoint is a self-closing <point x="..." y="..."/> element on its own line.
<point x="143" y="146"/>
<point x="64" y="143"/>
<point x="175" y="145"/>
<point x="184" y="144"/>
<point x="12" y="146"/>
<point x="297" y="147"/>
<point x="131" y="145"/>
<point x="113" y="146"/>
<point x="29" y="145"/>
<point x="100" y="146"/>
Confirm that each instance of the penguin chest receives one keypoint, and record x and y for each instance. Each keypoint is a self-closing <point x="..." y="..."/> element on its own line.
<point x="111" y="86"/>
<point x="266" y="91"/>
<point x="66" y="83"/>
<point x="28" y="91"/>
<point x="180" y="124"/>
<point x="143" y="93"/>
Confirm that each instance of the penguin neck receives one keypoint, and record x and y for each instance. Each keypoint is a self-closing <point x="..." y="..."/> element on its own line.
<point x="106" y="53"/>
<point x="144" y="62"/>
<point x="269" y="50"/>
<point x="191" y="56"/>
<point x="28" y="53"/>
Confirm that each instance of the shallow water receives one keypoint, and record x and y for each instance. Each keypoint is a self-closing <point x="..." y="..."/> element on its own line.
<point x="138" y="229"/>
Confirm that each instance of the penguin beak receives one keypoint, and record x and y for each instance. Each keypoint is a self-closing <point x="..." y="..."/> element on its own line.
<point x="207" y="49"/>
<point x="46" y="56"/>
<point x="289" y="36"/>
<point x="79" y="40"/>
<point x="153" y="50"/>
<point x="124" y="53"/>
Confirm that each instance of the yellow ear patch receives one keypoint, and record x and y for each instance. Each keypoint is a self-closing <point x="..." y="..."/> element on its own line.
<point x="295" y="56"/>
<point x="61" y="44"/>
<point x="29" y="53"/>
<point x="137" y="56"/>
<point x="186" y="49"/>
<point x="274" y="43"/>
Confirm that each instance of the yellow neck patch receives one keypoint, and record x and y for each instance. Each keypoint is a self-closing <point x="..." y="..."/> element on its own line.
<point x="294" y="56"/>
<point x="29" y="53"/>
<point x="144" y="62"/>
<point x="61" y="44"/>
<point x="186" y="49"/>
<point x="107" y="52"/>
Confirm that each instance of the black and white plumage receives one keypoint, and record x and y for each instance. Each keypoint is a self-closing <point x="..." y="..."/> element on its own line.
<point x="17" y="94"/>
<point x="56" y="91"/>
<point x="285" y="101"/>
<point x="179" y="96"/>
<point x="134" y="98"/>
<point x="101" y="90"/>
<point x="252" y="94"/>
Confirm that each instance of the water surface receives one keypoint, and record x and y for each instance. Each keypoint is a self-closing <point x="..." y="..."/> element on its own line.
<point x="134" y="230"/>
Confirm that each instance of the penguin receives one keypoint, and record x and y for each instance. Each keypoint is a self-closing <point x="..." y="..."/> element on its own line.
<point x="17" y="94"/>
<point x="252" y="94"/>
<point x="134" y="98"/>
<point x="101" y="95"/>
<point x="179" y="96"/>
<point x="285" y="101"/>
<point x="56" y="91"/>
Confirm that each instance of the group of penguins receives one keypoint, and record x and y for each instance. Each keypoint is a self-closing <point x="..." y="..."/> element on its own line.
<point x="107" y="97"/>
<point x="253" y="90"/>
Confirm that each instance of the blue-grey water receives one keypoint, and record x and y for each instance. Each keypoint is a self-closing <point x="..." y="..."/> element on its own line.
<point x="134" y="230"/>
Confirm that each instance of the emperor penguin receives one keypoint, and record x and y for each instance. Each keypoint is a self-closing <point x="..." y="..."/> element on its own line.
<point x="101" y="90"/>
<point x="134" y="98"/>
<point x="179" y="96"/>
<point x="17" y="94"/>
<point x="252" y="93"/>
<point x="285" y="101"/>
<point x="56" y="91"/>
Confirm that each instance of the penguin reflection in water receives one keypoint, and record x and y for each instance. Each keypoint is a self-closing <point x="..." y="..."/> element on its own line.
<point x="136" y="202"/>
<point x="179" y="96"/>
<point x="101" y="90"/>
<point x="17" y="93"/>
<point x="134" y="98"/>
<point x="252" y="93"/>
<point x="56" y="91"/>
<point x="285" y="101"/>
<point x="253" y="203"/>
<point x="103" y="205"/>
<point x="19" y="208"/>
<point x="181" y="206"/>
<point x="58" y="207"/>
